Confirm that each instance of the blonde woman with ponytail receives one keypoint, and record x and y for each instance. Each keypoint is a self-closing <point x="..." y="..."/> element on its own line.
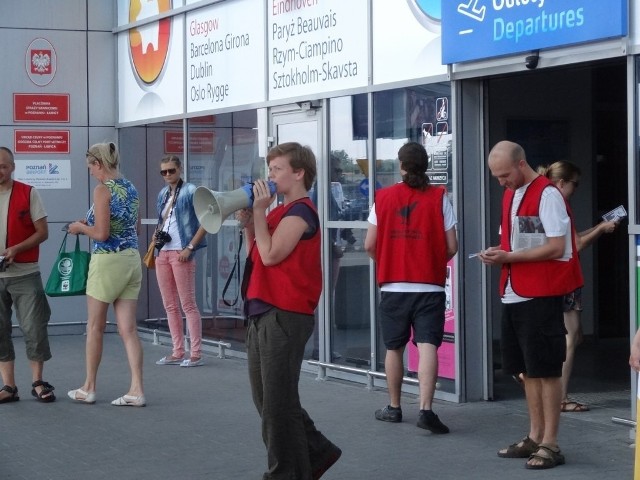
<point x="115" y="271"/>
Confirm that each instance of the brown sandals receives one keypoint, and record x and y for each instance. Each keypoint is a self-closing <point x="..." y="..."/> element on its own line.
<point x="547" y="456"/>
<point x="523" y="449"/>
<point x="573" y="406"/>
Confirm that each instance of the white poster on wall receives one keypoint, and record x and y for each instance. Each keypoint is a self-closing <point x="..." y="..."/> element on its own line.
<point x="406" y="40"/>
<point x="225" y="55"/>
<point x="44" y="174"/>
<point x="150" y="65"/>
<point x="634" y="22"/>
<point x="316" y="47"/>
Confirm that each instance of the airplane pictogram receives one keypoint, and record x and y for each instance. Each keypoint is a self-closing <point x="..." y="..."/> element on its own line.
<point x="475" y="12"/>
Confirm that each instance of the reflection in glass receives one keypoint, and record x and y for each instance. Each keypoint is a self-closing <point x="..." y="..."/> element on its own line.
<point x="419" y="114"/>
<point x="222" y="156"/>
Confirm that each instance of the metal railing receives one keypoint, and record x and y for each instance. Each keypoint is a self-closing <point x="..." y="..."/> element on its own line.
<point x="370" y="374"/>
<point x="157" y="334"/>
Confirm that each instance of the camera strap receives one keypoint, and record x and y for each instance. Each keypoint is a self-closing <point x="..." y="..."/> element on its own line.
<point x="163" y="219"/>
<point x="236" y="264"/>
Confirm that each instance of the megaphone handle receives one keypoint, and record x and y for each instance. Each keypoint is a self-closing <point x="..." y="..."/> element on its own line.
<point x="236" y="263"/>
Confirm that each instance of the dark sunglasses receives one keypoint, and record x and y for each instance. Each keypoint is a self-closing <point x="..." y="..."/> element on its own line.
<point x="168" y="171"/>
<point x="575" y="183"/>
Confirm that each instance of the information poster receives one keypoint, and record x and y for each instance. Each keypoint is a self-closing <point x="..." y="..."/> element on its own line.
<point x="41" y="141"/>
<point x="406" y="40"/>
<point x="150" y="65"/>
<point x="316" y="47"/>
<point x="41" y="107"/>
<point x="44" y="174"/>
<point x="447" y="351"/>
<point x="225" y="56"/>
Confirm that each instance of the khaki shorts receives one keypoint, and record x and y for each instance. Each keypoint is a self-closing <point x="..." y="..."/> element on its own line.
<point x="26" y="295"/>
<point x="116" y="275"/>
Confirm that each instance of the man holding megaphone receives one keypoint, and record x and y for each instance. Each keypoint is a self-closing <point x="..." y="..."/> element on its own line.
<point x="281" y="288"/>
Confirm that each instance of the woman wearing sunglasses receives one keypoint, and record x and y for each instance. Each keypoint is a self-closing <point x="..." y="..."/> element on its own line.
<point x="178" y="236"/>
<point x="566" y="176"/>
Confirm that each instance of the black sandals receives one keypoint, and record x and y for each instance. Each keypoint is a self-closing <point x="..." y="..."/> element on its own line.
<point x="46" y="394"/>
<point x="14" y="394"/>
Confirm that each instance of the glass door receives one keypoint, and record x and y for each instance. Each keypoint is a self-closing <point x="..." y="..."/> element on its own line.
<point x="303" y="124"/>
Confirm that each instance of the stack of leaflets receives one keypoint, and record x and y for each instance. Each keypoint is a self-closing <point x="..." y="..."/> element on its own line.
<point x="615" y="215"/>
<point x="528" y="232"/>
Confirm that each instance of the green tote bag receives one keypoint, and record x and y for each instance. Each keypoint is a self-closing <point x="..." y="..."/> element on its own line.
<point x="69" y="272"/>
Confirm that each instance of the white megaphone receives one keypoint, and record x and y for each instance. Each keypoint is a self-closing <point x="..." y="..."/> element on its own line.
<point x="212" y="208"/>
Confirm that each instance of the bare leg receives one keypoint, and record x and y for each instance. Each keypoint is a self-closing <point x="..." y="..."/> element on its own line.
<point x="543" y="401"/>
<point x="394" y="368"/>
<point x="36" y="374"/>
<point x="96" y="323"/>
<point x="574" y="338"/>
<point x="427" y="373"/>
<point x="126" y="319"/>
<point x="8" y="377"/>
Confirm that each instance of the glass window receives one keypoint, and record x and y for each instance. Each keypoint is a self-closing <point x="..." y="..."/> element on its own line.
<point x="222" y="156"/>
<point x="418" y="114"/>
<point x="347" y="205"/>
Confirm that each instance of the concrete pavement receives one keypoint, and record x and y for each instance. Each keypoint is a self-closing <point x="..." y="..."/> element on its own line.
<point x="201" y="423"/>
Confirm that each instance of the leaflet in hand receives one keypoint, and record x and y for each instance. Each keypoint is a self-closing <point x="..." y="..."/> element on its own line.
<point x="614" y="215"/>
<point x="528" y="232"/>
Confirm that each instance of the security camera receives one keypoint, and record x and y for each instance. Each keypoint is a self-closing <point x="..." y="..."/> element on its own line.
<point x="531" y="62"/>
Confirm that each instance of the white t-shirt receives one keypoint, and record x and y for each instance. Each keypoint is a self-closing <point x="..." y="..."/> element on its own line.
<point x="449" y="223"/>
<point x="556" y="223"/>
<point x="175" y="243"/>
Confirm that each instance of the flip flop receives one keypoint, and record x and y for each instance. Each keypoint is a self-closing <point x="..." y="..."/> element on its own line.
<point x="573" y="406"/>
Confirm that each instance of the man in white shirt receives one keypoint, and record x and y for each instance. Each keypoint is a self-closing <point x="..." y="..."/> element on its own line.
<point x="533" y="282"/>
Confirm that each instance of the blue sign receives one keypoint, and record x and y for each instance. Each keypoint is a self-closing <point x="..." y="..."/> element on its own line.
<point x="478" y="29"/>
<point x="364" y="186"/>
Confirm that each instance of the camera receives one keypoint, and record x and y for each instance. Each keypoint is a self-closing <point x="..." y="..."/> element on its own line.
<point x="3" y="266"/>
<point x="162" y="238"/>
<point x="531" y="61"/>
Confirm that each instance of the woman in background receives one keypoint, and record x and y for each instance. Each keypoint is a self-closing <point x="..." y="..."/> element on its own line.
<point x="115" y="271"/>
<point x="566" y="176"/>
<point x="180" y="236"/>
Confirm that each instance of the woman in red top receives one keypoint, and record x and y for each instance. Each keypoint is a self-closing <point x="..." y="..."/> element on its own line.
<point x="283" y="284"/>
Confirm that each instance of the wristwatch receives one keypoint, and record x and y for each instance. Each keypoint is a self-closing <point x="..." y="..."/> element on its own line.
<point x="190" y="247"/>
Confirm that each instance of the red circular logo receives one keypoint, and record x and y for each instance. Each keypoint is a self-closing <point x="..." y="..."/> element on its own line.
<point x="149" y="44"/>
